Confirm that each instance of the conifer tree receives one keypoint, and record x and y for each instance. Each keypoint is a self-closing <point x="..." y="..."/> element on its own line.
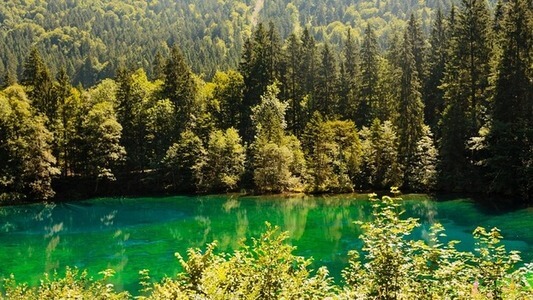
<point x="472" y="53"/>
<point x="433" y="96"/>
<point x="368" y="78"/>
<point x="158" y="67"/>
<point x="511" y="135"/>
<point x="410" y="120"/>
<point x="348" y="86"/>
<point x="36" y="77"/>
<point x="258" y="70"/>
<point x="325" y="100"/>
<point x="180" y="88"/>
<point x="465" y="85"/>
<point x="418" y="46"/>
<point x="309" y="68"/>
<point x="293" y="83"/>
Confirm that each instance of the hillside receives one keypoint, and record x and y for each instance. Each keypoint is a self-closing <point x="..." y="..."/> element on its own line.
<point x="90" y="37"/>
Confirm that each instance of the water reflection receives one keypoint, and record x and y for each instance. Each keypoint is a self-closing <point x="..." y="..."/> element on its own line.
<point x="295" y="211"/>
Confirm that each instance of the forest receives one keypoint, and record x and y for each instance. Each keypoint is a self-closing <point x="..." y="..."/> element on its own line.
<point x="430" y="100"/>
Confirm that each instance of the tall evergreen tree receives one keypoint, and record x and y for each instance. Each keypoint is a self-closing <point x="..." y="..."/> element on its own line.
<point x="418" y="46"/>
<point x="293" y="83"/>
<point x="465" y="86"/>
<point x="410" y="121"/>
<point x="158" y="66"/>
<point x="258" y="70"/>
<point x="368" y="78"/>
<point x="309" y="69"/>
<point x="347" y="90"/>
<point x="180" y="88"/>
<point x="325" y="100"/>
<point x="36" y="77"/>
<point x="510" y="140"/>
<point x="473" y="56"/>
<point x="433" y="96"/>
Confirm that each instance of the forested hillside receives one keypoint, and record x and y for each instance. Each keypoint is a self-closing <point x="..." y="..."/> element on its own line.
<point x="89" y="38"/>
<point x="440" y="100"/>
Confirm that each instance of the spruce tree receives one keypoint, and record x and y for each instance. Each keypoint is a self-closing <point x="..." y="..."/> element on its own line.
<point x="418" y="46"/>
<point x="38" y="81"/>
<point x="158" y="67"/>
<point x="325" y="100"/>
<point x="309" y="69"/>
<point x="433" y="96"/>
<point x="510" y="168"/>
<point x="410" y="121"/>
<point x="180" y="88"/>
<point x="293" y="81"/>
<point x="258" y="70"/>
<point x="348" y="74"/>
<point x="473" y="55"/>
<point x="368" y="78"/>
<point x="465" y="87"/>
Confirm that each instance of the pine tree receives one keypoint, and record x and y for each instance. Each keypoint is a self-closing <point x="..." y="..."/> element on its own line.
<point x="258" y="70"/>
<point x="410" y="120"/>
<point x="423" y="174"/>
<point x="348" y="86"/>
<point x="36" y="77"/>
<point x="62" y="91"/>
<point x="434" y="103"/>
<point x="309" y="69"/>
<point x="465" y="85"/>
<point x="158" y="67"/>
<point x="325" y="100"/>
<point x="473" y="55"/>
<point x="510" y="168"/>
<point x="368" y="78"/>
<point x="180" y="88"/>
<point x="417" y="41"/>
<point x="293" y="83"/>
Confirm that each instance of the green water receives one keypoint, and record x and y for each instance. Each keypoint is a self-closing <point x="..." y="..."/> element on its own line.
<point x="129" y="235"/>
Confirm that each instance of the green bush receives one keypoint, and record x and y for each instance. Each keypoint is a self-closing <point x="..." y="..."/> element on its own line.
<point x="74" y="285"/>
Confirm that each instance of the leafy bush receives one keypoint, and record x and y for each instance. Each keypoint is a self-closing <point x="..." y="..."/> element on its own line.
<point x="397" y="267"/>
<point x="265" y="270"/>
<point x="74" y="285"/>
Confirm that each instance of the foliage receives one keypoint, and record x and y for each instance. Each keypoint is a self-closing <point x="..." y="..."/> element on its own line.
<point x="277" y="158"/>
<point x="381" y="167"/>
<point x="394" y="266"/>
<point x="28" y="165"/>
<point x="422" y="176"/>
<point x="182" y="159"/>
<point x="334" y="153"/>
<point x="73" y="285"/>
<point x="265" y="270"/>
<point x="221" y="165"/>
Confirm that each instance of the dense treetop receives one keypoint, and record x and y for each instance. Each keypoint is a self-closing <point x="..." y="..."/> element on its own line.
<point x="90" y="38"/>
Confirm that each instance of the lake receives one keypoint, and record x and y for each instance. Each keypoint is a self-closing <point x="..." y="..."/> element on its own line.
<point x="131" y="234"/>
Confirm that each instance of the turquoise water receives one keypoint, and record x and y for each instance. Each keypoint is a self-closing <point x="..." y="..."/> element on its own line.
<point x="129" y="235"/>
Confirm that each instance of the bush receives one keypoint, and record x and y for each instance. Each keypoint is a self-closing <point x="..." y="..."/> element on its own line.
<point x="74" y="285"/>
